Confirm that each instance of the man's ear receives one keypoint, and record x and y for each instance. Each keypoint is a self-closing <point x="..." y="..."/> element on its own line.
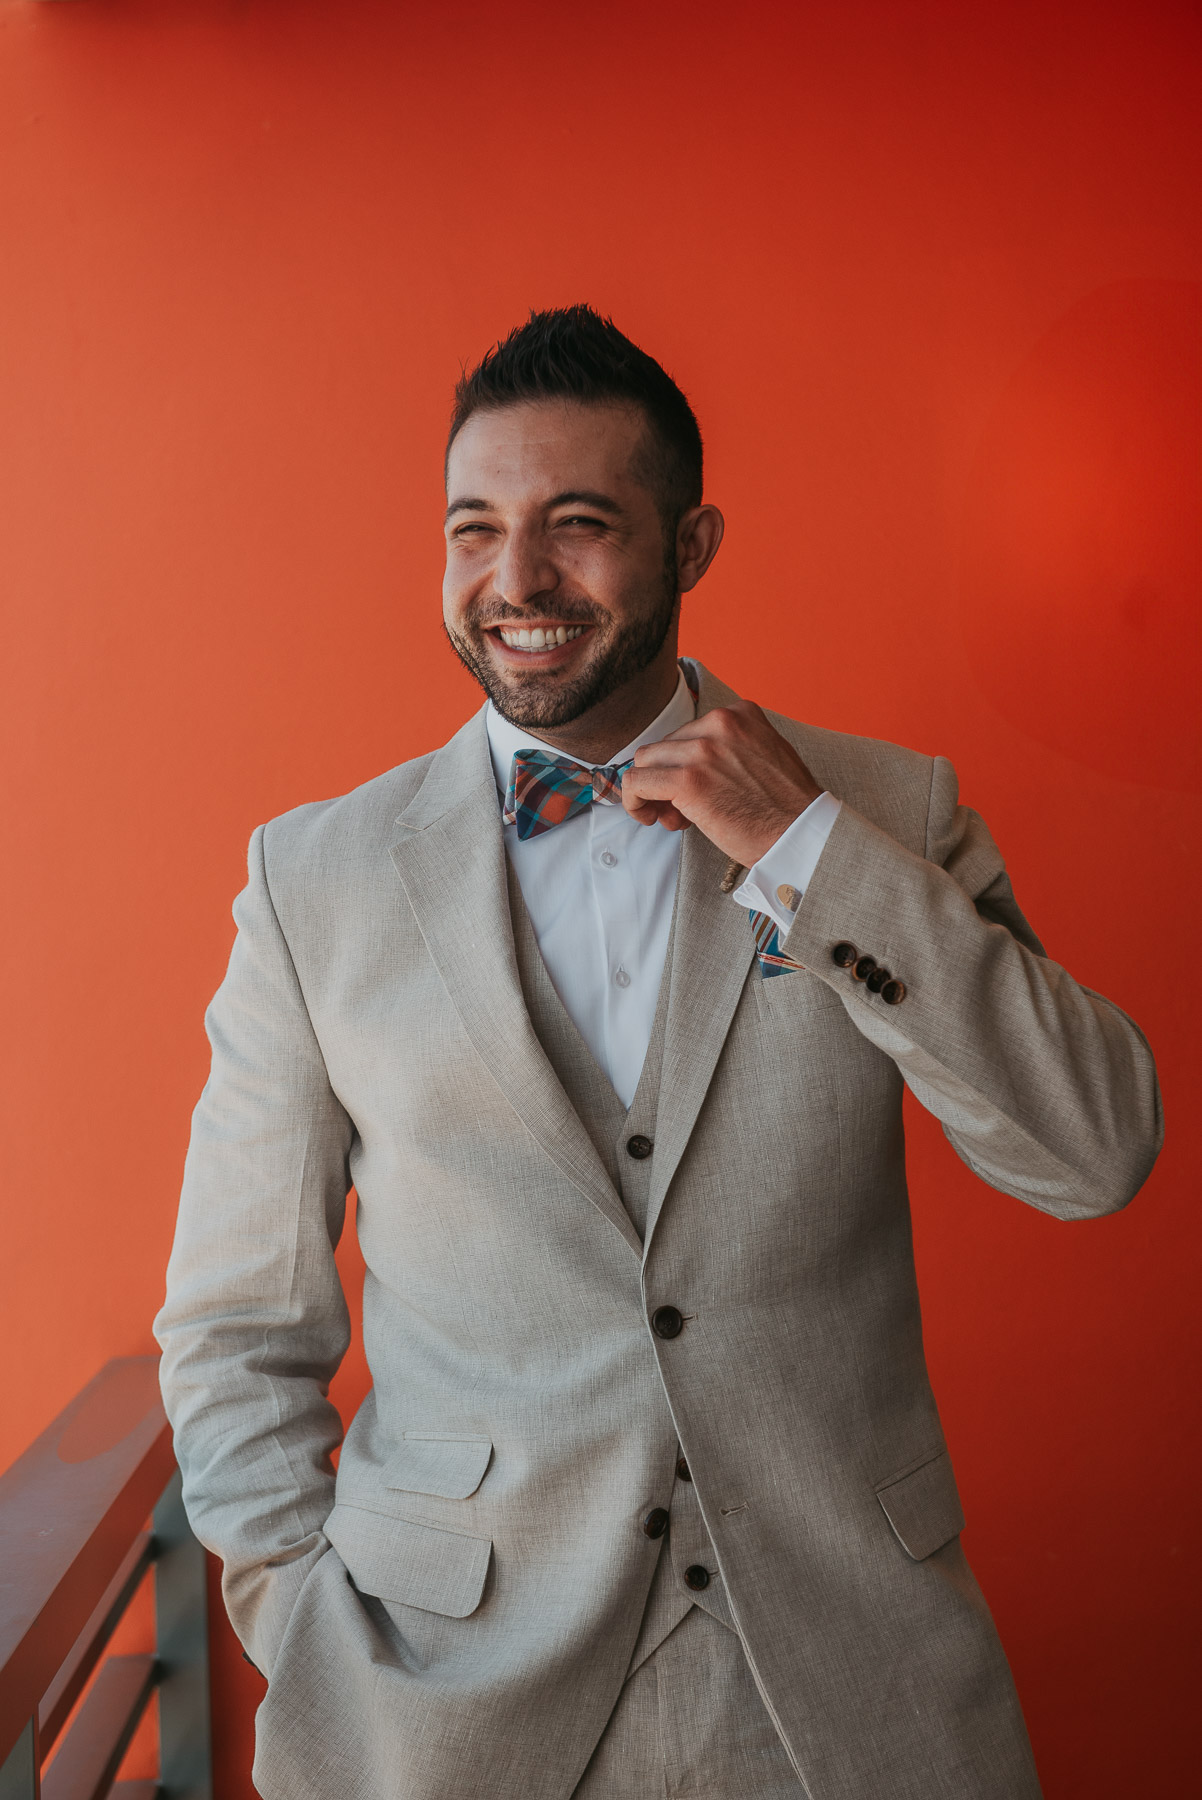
<point x="697" y="538"/>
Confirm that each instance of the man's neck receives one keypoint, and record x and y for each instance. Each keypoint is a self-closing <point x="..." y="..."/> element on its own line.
<point x="597" y="735"/>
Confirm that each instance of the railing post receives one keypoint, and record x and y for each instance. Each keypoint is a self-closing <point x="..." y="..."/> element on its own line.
<point x="19" y="1778"/>
<point x="182" y="1649"/>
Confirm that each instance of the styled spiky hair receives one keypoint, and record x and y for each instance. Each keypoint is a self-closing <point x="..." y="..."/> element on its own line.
<point x="572" y="353"/>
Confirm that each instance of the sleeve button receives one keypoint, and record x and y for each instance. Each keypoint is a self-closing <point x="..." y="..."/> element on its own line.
<point x="843" y="955"/>
<point x="893" y="993"/>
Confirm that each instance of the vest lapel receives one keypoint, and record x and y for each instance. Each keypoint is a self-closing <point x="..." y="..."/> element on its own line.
<point x="451" y="862"/>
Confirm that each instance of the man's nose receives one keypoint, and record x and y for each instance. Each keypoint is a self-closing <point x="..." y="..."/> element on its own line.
<point x="524" y="571"/>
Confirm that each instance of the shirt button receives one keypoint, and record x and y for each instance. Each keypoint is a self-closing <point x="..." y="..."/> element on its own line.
<point x="609" y="859"/>
<point x="656" y="1522"/>
<point x="621" y="978"/>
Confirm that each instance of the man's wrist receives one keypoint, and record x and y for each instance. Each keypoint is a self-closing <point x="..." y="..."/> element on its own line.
<point x="776" y="882"/>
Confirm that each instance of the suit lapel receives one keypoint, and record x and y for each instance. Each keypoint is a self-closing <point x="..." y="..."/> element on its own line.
<point x="713" y="950"/>
<point x="451" y="862"/>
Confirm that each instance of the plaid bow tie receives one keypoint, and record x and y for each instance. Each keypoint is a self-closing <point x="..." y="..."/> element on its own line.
<point x="544" y="790"/>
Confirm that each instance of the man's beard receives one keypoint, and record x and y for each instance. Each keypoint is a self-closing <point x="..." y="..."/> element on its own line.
<point x="534" y="703"/>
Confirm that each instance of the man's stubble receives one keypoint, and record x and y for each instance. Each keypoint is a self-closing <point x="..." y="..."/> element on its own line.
<point x="533" y="704"/>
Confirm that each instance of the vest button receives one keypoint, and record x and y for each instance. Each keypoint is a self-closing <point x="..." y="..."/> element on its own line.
<point x="843" y="955"/>
<point x="639" y="1146"/>
<point x="683" y="1472"/>
<point x="656" y="1522"/>
<point x="696" y="1577"/>
<point x="667" y="1322"/>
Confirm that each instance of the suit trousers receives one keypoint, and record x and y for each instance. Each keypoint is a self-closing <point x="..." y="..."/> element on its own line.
<point x="690" y="1722"/>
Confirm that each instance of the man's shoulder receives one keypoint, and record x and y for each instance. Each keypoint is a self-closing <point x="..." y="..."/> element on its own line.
<point x="884" y="781"/>
<point x="322" y="832"/>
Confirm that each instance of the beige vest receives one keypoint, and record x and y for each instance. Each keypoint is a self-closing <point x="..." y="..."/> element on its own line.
<point x="611" y="1128"/>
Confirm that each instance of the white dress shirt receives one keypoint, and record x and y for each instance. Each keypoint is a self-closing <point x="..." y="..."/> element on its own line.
<point x="600" y="888"/>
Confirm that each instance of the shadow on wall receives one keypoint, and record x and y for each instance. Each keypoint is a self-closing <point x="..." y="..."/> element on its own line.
<point x="1082" y="560"/>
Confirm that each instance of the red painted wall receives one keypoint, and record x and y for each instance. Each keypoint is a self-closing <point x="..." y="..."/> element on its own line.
<point x="931" y="275"/>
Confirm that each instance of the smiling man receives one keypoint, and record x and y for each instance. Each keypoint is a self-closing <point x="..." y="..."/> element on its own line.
<point x="606" y="1009"/>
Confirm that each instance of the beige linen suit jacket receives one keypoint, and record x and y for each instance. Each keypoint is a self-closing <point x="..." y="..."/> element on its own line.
<point x="452" y="1615"/>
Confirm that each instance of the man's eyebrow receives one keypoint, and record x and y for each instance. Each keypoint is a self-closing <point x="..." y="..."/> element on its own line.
<point x="466" y="506"/>
<point x="587" y="497"/>
<point x="571" y="497"/>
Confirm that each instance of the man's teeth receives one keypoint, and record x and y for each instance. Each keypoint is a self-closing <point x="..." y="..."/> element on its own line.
<point x="538" y="639"/>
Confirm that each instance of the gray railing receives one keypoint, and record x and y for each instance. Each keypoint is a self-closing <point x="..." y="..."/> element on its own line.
<point x="86" y="1514"/>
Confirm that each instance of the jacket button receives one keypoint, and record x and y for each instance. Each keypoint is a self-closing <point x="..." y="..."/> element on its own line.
<point x="862" y="968"/>
<point x="639" y="1146"/>
<point x="893" y="993"/>
<point x="683" y="1472"/>
<point x="876" y="979"/>
<point x="656" y="1522"/>
<point x="843" y="955"/>
<point x="696" y="1577"/>
<point x="667" y="1322"/>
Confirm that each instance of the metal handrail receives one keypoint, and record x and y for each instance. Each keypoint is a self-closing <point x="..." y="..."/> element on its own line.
<point x="73" y="1552"/>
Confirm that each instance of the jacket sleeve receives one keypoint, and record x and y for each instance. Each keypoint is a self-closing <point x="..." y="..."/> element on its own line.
<point x="1046" y="1090"/>
<point x="255" y="1323"/>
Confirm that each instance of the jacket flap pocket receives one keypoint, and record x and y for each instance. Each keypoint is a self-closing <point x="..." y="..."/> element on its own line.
<point x="416" y="1565"/>
<point x="447" y="1464"/>
<point x="923" y="1506"/>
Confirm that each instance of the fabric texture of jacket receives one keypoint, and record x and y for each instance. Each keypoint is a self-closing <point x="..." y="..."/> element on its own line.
<point x="452" y="1614"/>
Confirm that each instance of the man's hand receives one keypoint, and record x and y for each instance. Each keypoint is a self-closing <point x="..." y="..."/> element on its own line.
<point x="730" y="774"/>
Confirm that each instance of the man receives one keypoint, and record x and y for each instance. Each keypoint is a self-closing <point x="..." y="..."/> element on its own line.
<point x="650" y="1496"/>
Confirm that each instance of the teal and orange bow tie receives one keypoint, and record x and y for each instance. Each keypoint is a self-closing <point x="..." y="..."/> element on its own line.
<point x="545" y="790"/>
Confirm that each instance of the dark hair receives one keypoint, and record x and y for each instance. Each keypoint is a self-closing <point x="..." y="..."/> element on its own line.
<point x="572" y="353"/>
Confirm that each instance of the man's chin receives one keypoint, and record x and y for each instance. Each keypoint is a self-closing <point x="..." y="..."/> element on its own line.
<point x="538" y="699"/>
<point x="540" y="702"/>
<point x="547" y="699"/>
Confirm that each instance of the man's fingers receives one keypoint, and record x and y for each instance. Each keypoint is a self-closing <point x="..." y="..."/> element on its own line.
<point x="657" y="812"/>
<point x="653" y="783"/>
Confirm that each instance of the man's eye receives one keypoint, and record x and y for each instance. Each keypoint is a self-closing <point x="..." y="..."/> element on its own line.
<point x="466" y="530"/>
<point x="581" y="519"/>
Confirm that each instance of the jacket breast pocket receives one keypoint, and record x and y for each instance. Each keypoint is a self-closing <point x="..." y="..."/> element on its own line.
<point x="449" y="1464"/>
<point x="923" y="1506"/>
<point x="793" y="997"/>
<point x="414" y="1565"/>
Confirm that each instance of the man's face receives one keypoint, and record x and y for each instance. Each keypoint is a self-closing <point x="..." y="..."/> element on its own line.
<point x="559" y="585"/>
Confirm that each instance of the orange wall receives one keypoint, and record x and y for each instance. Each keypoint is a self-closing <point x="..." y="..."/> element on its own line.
<point x="931" y="274"/>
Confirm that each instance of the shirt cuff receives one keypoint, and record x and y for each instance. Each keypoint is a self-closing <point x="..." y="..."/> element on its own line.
<point x="776" y="883"/>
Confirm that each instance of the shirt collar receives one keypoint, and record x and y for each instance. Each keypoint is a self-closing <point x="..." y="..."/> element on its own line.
<point x="505" y="739"/>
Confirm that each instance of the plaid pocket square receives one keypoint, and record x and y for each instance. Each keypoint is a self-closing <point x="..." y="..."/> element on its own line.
<point x="772" y="958"/>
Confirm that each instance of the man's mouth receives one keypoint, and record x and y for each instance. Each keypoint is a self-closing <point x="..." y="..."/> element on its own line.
<point x="534" y="639"/>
